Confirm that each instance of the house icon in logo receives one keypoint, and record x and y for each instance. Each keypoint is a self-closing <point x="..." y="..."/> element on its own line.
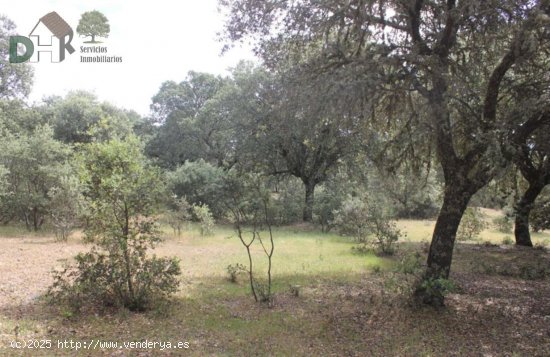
<point x="51" y="36"/>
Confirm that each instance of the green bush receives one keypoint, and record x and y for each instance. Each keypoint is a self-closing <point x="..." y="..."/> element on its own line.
<point x="386" y="235"/>
<point x="369" y="223"/>
<point x="178" y="213"/>
<point x="410" y="264"/>
<point x="437" y="288"/>
<point x="67" y="206"/>
<point x="200" y="183"/>
<point x="123" y="193"/>
<point x="503" y="224"/>
<point x="326" y="203"/>
<point x="471" y="225"/>
<point x="507" y="240"/>
<point x="352" y="219"/>
<point x="540" y="214"/>
<point x="234" y="270"/>
<point x="100" y="278"/>
<point x="205" y="219"/>
<point x="288" y="202"/>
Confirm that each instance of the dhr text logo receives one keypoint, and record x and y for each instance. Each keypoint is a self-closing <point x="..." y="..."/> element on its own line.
<point x="50" y="37"/>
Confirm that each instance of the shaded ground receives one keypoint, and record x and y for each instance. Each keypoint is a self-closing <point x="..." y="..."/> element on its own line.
<point x="501" y="306"/>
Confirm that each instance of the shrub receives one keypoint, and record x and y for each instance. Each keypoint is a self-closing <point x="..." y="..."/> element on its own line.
<point x="287" y="203"/>
<point x="295" y="290"/>
<point x="368" y="223"/>
<point x="503" y="224"/>
<point x="123" y="193"/>
<point x="67" y="206"/>
<point x="178" y="214"/>
<point x="386" y="235"/>
<point x="100" y="278"/>
<point x="507" y="240"/>
<point x="234" y="270"/>
<point x="352" y="219"/>
<point x="437" y="288"/>
<point x="471" y="225"/>
<point x="327" y="201"/>
<point x="32" y="164"/>
<point x="540" y="214"/>
<point x="410" y="264"/>
<point x="206" y="221"/>
<point x="362" y="249"/>
<point x="200" y="183"/>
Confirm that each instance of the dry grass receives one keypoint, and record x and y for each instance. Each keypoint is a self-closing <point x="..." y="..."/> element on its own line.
<point x="421" y="231"/>
<point x="343" y="308"/>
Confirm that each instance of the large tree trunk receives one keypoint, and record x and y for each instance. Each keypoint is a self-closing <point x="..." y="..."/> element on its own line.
<point x="308" y="204"/>
<point x="441" y="249"/>
<point x="523" y="208"/>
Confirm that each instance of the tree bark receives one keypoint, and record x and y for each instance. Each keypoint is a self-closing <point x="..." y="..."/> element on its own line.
<point x="440" y="256"/>
<point x="308" y="204"/>
<point x="523" y="208"/>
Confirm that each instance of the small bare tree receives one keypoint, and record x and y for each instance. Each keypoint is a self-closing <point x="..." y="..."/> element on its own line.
<point x="249" y="201"/>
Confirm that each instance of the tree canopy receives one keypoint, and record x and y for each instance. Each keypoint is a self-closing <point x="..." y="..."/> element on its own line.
<point x="454" y="60"/>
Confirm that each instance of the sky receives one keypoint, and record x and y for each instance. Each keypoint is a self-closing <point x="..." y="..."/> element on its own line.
<point x="158" y="40"/>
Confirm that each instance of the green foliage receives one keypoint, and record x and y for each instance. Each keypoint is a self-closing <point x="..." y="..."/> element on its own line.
<point x="386" y="235"/>
<point x="93" y="23"/>
<point x="263" y="291"/>
<point x="434" y="85"/>
<point x="362" y="249"/>
<point x="234" y="270"/>
<point x="80" y="118"/>
<point x="200" y="183"/>
<point x="123" y="193"/>
<point x="437" y="288"/>
<point x="503" y="224"/>
<point x="328" y="200"/>
<point x="67" y="206"/>
<point x="204" y="216"/>
<point x="413" y="194"/>
<point x="471" y="225"/>
<point x="295" y="290"/>
<point x="34" y="164"/>
<point x="178" y="213"/>
<point x="99" y="279"/>
<point x="539" y="217"/>
<point x="368" y="222"/>
<point x="351" y="219"/>
<point x="507" y="240"/>
<point x="288" y="201"/>
<point x="194" y="122"/>
<point x="410" y="264"/>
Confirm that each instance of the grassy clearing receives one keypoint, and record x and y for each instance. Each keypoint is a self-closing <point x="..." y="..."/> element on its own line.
<point x="421" y="231"/>
<point x="343" y="307"/>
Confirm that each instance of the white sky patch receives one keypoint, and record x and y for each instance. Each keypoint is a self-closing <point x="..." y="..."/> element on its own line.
<point x="158" y="40"/>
